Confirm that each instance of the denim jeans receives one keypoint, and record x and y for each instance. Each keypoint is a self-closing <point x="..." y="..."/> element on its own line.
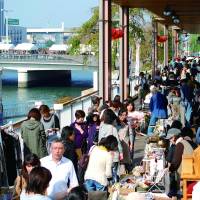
<point x="188" y="112"/>
<point x="92" y="185"/>
<point x="115" y="177"/>
<point x="152" y="123"/>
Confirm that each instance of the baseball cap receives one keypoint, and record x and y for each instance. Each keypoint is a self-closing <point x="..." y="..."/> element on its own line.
<point x="173" y="132"/>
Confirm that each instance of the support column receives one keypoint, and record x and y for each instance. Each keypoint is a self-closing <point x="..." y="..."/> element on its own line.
<point x="155" y="47"/>
<point x="95" y="80"/>
<point x="174" y="43"/>
<point x="105" y="56"/>
<point x="137" y="58"/>
<point x="22" y="78"/>
<point x="124" y="53"/>
<point x="166" y="47"/>
<point x="1" y="104"/>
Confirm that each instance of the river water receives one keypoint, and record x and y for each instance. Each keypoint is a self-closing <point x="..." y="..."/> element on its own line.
<point x="13" y="96"/>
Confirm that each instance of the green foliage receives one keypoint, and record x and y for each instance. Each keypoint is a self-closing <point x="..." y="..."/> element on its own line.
<point x="74" y="42"/>
<point x="194" y="45"/>
<point x="136" y="24"/>
<point x="86" y="34"/>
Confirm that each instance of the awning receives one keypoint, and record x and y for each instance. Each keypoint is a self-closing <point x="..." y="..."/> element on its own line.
<point x="58" y="47"/>
<point x="186" y="10"/>
<point x="25" y="47"/>
<point x="6" y="47"/>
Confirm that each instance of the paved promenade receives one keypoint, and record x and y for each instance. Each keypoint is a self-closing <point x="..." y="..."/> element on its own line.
<point x="139" y="149"/>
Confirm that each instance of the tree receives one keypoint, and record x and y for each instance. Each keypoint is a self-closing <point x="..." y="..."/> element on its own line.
<point x="194" y="44"/>
<point x="86" y="34"/>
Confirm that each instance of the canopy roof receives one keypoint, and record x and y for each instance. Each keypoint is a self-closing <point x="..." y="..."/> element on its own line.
<point x="26" y="47"/>
<point x="188" y="11"/>
<point x="6" y="47"/>
<point x="58" y="47"/>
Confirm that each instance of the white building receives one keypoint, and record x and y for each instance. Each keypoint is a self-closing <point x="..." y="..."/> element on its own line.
<point x="40" y="36"/>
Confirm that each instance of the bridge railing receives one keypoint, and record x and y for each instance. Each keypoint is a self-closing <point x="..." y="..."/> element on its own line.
<point x="82" y="59"/>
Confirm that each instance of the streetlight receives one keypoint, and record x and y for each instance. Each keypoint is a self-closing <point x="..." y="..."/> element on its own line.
<point x="6" y="18"/>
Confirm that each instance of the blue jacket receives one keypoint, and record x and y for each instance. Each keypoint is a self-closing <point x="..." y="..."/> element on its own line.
<point x="158" y="106"/>
<point x="198" y="136"/>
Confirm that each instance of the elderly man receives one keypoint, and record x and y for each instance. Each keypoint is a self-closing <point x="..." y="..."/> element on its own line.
<point x="62" y="171"/>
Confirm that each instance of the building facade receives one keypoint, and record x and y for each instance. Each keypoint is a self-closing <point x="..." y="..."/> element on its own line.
<point x="2" y="20"/>
<point x="17" y="34"/>
<point x="43" y="37"/>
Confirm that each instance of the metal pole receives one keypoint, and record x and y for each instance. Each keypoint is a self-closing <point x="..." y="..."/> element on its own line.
<point x="105" y="57"/>
<point x="1" y="105"/>
<point x="155" y="48"/>
<point x="101" y="47"/>
<point x="6" y="18"/>
<point x="166" y="56"/>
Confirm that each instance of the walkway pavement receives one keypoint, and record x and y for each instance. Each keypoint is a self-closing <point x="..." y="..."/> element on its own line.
<point x="140" y="142"/>
<point x="139" y="149"/>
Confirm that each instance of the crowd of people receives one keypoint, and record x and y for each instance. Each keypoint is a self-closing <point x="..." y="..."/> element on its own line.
<point x="93" y="151"/>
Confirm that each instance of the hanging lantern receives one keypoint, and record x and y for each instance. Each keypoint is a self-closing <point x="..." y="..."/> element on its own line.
<point x="117" y="33"/>
<point x="177" y="41"/>
<point x="161" y="38"/>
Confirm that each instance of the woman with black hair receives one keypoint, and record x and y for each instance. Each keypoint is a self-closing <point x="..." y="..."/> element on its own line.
<point x="125" y="133"/>
<point x="78" y="193"/>
<point x="108" y="127"/>
<point x="68" y="137"/>
<point x="81" y="133"/>
<point x="39" y="179"/>
<point x="99" y="168"/>
<point x="30" y="161"/>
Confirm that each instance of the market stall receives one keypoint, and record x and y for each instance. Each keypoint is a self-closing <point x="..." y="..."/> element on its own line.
<point x="148" y="180"/>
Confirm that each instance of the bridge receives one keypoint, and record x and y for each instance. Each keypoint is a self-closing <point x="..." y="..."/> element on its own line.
<point x="35" y="67"/>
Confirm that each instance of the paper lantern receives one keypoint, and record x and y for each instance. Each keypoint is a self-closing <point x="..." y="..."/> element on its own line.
<point x="161" y="38"/>
<point x="177" y="41"/>
<point x="117" y="33"/>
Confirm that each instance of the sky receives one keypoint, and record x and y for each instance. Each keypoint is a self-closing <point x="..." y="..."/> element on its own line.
<point x="50" y="13"/>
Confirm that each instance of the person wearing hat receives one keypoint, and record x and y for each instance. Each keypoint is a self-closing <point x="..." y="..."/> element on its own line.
<point x="184" y="146"/>
<point x="172" y="135"/>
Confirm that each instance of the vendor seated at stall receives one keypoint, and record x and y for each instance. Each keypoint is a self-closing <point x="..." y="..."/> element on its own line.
<point x="184" y="146"/>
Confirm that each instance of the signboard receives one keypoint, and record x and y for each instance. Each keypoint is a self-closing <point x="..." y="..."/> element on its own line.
<point x="13" y="21"/>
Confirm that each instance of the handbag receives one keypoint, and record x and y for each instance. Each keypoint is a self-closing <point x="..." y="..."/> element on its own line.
<point x="15" y="194"/>
<point x="84" y="146"/>
<point x="98" y="195"/>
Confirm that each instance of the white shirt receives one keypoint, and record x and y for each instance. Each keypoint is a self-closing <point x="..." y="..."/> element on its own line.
<point x="25" y="196"/>
<point x="62" y="172"/>
<point x="99" y="166"/>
